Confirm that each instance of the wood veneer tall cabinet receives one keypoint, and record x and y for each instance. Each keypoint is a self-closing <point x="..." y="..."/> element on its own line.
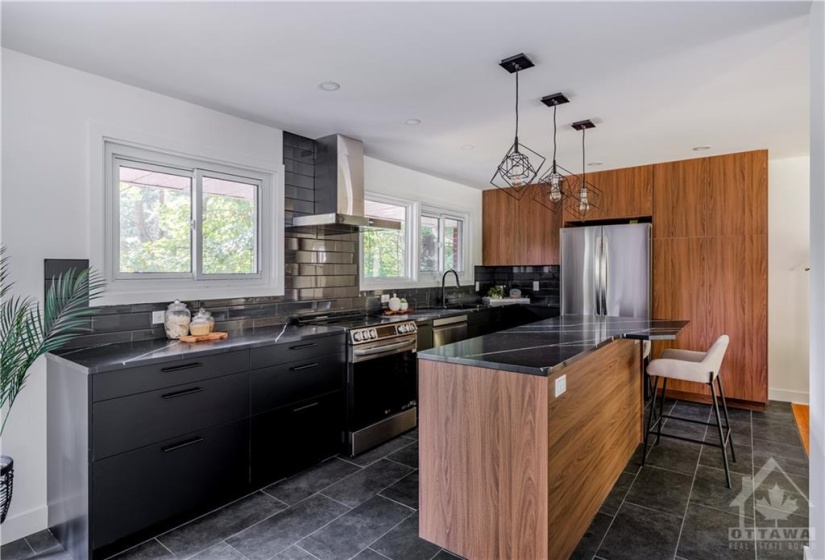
<point x="710" y="263"/>
<point x="518" y="232"/>
<point x="626" y="193"/>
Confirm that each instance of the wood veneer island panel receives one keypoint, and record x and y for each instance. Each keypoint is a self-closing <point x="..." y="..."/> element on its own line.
<point x="508" y="471"/>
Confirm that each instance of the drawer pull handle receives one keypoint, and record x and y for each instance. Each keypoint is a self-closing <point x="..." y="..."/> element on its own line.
<point x="183" y="393"/>
<point x="300" y="408"/>
<point x="182" y="444"/>
<point x="181" y="367"/>
<point x="302" y="346"/>
<point x="306" y="366"/>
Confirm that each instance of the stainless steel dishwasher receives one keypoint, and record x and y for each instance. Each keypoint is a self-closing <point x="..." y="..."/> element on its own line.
<point x="447" y="330"/>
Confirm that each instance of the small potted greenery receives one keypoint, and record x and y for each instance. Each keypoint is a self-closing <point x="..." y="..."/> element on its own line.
<point x="27" y="333"/>
<point x="496" y="292"/>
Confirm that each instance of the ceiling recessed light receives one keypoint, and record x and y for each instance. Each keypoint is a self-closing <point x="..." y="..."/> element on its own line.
<point x="329" y="86"/>
<point x="412" y="122"/>
<point x="594" y="163"/>
<point x="701" y="148"/>
<point x="467" y="147"/>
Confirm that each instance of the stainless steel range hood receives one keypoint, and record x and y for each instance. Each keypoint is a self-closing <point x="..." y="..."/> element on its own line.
<point x="339" y="187"/>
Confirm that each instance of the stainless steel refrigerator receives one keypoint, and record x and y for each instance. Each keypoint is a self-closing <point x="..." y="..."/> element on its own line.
<point x="605" y="270"/>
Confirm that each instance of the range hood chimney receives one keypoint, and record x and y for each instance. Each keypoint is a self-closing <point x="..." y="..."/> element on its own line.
<point x="339" y="187"/>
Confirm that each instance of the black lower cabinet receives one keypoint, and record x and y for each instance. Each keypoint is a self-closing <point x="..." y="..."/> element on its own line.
<point x="135" y="490"/>
<point x="293" y="437"/>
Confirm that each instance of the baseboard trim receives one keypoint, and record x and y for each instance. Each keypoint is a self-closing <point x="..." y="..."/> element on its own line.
<point x="785" y="395"/>
<point x="24" y="524"/>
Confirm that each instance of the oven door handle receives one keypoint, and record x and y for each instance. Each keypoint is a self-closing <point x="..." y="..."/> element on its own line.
<point x="360" y="355"/>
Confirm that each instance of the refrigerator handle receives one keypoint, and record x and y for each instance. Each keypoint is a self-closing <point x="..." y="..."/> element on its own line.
<point x="605" y="273"/>
<point x="598" y="290"/>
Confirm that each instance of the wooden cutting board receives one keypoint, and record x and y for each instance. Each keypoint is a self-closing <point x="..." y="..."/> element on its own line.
<point x="204" y="337"/>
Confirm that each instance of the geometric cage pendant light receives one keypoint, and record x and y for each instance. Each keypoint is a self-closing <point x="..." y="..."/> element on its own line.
<point x="520" y="165"/>
<point x="554" y="185"/>
<point x="584" y="195"/>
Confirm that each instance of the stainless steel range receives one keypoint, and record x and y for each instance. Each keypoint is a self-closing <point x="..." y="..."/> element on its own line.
<point x="382" y="382"/>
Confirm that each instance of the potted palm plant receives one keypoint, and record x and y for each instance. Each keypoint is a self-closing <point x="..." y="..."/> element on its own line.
<point x="26" y="333"/>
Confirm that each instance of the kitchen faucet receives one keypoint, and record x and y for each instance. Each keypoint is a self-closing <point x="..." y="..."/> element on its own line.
<point x="444" y="288"/>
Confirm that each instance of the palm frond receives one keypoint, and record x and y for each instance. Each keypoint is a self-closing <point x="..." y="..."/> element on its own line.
<point x="26" y="332"/>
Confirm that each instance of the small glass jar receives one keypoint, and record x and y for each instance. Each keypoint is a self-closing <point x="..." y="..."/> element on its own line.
<point x="199" y="325"/>
<point x="177" y="319"/>
<point x="202" y="323"/>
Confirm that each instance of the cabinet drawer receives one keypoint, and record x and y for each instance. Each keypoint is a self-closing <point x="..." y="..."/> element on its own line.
<point x="283" y="384"/>
<point x="289" y="439"/>
<point x="124" y="382"/>
<point x="135" y="490"/>
<point x="297" y="351"/>
<point x="127" y="423"/>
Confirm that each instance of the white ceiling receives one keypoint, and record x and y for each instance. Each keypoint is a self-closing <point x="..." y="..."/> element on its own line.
<point x="657" y="78"/>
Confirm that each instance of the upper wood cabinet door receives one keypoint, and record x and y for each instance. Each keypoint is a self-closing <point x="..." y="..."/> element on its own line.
<point x="518" y="232"/>
<point x="720" y="195"/>
<point x="626" y="193"/>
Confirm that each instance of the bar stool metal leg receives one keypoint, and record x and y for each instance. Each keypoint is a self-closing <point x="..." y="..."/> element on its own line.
<point x="721" y="435"/>
<point x="654" y="383"/>
<point x="661" y="412"/>
<point x="727" y="420"/>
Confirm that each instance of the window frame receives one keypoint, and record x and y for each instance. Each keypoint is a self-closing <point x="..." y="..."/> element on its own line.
<point x="410" y="251"/>
<point x="415" y="277"/>
<point x="147" y="287"/>
<point x="442" y="214"/>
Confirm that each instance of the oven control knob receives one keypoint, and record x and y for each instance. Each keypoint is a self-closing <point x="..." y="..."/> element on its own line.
<point x="356" y="336"/>
<point x="373" y="333"/>
<point x="402" y="329"/>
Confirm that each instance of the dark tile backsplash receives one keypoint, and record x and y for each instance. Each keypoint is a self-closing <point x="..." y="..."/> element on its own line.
<point x="321" y="273"/>
<point x="522" y="277"/>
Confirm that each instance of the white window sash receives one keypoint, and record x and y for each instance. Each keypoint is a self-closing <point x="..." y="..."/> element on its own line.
<point x="140" y="287"/>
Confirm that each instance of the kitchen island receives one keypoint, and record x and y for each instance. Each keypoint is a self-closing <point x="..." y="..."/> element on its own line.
<point x="524" y="432"/>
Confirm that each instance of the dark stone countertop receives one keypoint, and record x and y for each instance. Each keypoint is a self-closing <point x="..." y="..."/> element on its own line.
<point x="110" y="357"/>
<point x="547" y="346"/>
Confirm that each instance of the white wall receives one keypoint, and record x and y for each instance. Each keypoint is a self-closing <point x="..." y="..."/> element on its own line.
<point x="817" y="282"/>
<point x="385" y="178"/>
<point x="788" y="257"/>
<point x="47" y="112"/>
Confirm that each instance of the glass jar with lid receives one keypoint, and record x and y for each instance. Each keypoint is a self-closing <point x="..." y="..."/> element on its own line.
<point x="177" y="319"/>
<point x="202" y="323"/>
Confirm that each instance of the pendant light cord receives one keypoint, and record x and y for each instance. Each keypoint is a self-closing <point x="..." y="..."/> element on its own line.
<point x="555" y="107"/>
<point x="517" y="71"/>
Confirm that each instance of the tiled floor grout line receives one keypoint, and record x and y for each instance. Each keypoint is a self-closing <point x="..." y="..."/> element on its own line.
<point x="635" y="478"/>
<point x="172" y="553"/>
<point x="232" y="547"/>
<point x="382" y="555"/>
<point x="211" y="511"/>
<point x="385" y="533"/>
<point x="613" y="518"/>
<point x="321" y="493"/>
<point x="395" y="501"/>
<point x="316" y="530"/>
<point x="31" y="548"/>
<point x="303" y="549"/>
<point x="690" y="493"/>
<point x="398" y="462"/>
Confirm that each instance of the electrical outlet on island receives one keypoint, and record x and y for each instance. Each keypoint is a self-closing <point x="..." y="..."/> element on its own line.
<point x="561" y="385"/>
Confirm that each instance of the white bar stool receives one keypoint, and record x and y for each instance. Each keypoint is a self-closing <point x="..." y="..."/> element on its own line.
<point x="699" y="367"/>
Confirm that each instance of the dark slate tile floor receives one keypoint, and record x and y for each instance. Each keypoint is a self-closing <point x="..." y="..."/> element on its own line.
<point x="675" y="507"/>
